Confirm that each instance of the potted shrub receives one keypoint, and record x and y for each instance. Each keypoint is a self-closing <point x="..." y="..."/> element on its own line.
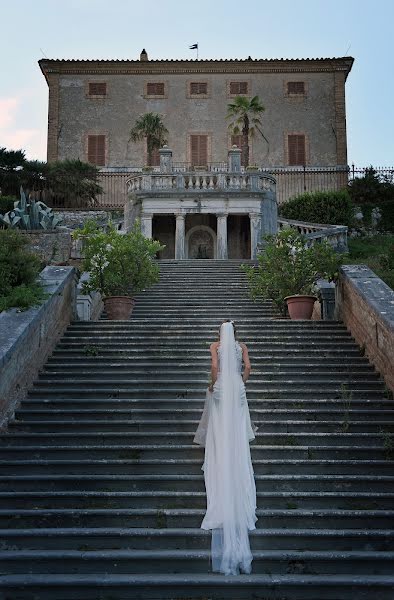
<point x="119" y="265"/>
<point x="288" y="269"/>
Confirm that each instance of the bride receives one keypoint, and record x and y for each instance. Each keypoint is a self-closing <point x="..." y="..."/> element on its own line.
<point x="225" y="429"/>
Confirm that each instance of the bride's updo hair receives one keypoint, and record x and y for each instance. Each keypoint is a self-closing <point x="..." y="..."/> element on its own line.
<point x="233" y="324"/>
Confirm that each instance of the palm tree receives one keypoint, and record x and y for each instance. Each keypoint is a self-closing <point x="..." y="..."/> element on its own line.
<point x="244" y="113"/>
<point x="151" y="127"/>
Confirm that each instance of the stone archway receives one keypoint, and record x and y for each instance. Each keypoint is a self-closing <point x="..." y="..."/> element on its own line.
<point x="200" y="242"/>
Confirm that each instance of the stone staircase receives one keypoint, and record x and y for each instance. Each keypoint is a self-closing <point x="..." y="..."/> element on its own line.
<point x="101" y="489"/>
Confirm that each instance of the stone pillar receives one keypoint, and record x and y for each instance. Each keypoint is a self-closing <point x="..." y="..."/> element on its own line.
<point x="180" y="237"/>
<point x="234" y="160"/>
<point x="146" y="224"/>
<point x="255" y="233"/>
<point x="165" y="160"/>
<point x="221" y="251"/>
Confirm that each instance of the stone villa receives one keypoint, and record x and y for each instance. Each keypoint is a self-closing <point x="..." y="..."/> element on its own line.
<point x="94" y="104"/>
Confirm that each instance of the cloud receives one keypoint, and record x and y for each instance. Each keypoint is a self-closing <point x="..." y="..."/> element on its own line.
<point x="13" y="137"/>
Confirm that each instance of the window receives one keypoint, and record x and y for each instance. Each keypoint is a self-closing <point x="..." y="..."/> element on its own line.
<point x="96" y="150"/>
<point x="199" y="150"/>
<point x="199" y="87"/>
<point x="296" y="149"/>
<point x="97" y="88"/>
<point x="296" y="88"/>
<point x="155" y="89"/>
<point x="239" y="140"/>
<point x="238" y="87"/>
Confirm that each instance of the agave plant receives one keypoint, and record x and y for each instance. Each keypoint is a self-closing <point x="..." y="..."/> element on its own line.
<point x="30" y="214"/>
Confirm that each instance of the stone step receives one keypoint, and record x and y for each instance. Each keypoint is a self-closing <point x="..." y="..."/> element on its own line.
<point x="191" y="518"/>
<point x="159" y="403"/>
<point x="281" y="390"/>
<point x="296" y="438"/>
<point x="89" y="368"/>
<point x="181" y="382"/>
<point x="208" y="585"/>
<point x="243" y="324"/>
<point x="191" y="466"/>
<point x="193" y="483"/>
<point x="174" y="417"/>
<point x="290" y="500"/>
<point x="284" y="426"/>
<point x="279" y="450"/>
<point x="193" y="538"/>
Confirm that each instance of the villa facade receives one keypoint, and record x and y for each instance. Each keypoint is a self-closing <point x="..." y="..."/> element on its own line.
<point x="203" y="205"/>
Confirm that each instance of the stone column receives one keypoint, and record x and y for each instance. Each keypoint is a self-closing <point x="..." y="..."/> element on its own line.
<point x="222" y="237"/>
<point x="146" y="224"/>
<point x="255" y="233"/>
<point x="180" y="237"/>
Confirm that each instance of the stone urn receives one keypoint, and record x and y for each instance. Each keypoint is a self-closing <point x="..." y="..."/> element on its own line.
<point x="118" y="308"/>
<point x="300" y="306"/>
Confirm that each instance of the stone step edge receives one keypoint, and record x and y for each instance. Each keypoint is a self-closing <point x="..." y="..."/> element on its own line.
<point x="185" y="477"/>
<point x="184" y="494"/>
<point x="194" y="554"/>
<point x="187" y="531"/>
<point x="115" y="423"/>
<point x="101" y="580"/>
<point x="194" y="512"/>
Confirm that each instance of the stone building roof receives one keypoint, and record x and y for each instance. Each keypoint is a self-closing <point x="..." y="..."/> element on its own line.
<point x="173" y="66"/>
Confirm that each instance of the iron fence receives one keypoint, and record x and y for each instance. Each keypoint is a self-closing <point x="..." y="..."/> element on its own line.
<point x="290" y="182"/>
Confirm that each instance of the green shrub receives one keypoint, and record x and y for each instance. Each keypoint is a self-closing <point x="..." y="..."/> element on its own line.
<point x="372" y="188"/>
<point x="19" y="269"/>
<point x="334" y="208"/>
<point x="287" y="267"/>
<point x="7" y="203"/>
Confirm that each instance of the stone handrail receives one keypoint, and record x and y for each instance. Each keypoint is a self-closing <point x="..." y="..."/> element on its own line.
<point x="336" y="235"/>
<point x="203" y="181"/>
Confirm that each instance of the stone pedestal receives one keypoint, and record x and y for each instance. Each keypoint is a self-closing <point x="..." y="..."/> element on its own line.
<point x="180" y="237"/>
<point x="255" y="233"/>
<point x="146" y="224"/>
<point x="222" y="236"/>
<point x="165" y="160"/>
<point x="234" y="160"/>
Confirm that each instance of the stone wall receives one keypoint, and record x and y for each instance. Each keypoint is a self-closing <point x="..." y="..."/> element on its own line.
<point x="366" y="305"/>
<point x="28" y="337"/>
<point x="51" y="246"/>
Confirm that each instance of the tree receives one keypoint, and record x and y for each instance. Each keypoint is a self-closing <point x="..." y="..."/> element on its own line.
<point x="245" y="119"/>
<point x="151" y="127"/>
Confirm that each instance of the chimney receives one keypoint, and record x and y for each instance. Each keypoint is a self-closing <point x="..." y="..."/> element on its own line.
<point x="143" y="55"/>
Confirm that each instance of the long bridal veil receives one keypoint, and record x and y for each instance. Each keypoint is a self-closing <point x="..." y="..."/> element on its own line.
<point x="228" y="470"/>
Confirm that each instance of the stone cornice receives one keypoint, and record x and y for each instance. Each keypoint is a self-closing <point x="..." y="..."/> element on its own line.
<point x="174" y="67"/>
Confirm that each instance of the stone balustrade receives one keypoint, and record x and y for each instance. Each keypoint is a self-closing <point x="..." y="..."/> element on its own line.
<point x="203" y="181"/>
<point x="336" y="235"/>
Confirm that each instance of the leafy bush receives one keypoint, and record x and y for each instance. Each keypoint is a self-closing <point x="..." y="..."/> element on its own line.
<point x="373" y="188"/>
<point x="18" y="272"/>
<point x="375" y="251"/>
<point x="118" y="264"/>
<point x="7" y="203"/>
<point x="287" y="267"/>
<point x="334" y="208"/>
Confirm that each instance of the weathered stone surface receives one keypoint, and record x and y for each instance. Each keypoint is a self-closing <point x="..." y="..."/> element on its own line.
<point x="52" y="246"/>
<point x="366" y="304"/>
<point x="28" y="337"/>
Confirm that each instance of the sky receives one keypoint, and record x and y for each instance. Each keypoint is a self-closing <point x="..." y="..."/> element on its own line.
<point x="119" y="29"/>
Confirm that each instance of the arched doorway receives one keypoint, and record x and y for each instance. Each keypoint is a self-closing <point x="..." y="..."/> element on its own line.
<point x="200" y="242"/>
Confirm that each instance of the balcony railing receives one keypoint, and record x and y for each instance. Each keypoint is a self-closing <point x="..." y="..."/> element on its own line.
<point x="200" y="182"/>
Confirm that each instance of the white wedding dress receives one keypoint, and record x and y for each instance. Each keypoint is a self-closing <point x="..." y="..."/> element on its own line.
<point x="225" y="429"/>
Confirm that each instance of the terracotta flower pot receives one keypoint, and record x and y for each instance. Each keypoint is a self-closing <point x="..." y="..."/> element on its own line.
<point x="118" y="308"/>
<point x="300" y="306"/>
